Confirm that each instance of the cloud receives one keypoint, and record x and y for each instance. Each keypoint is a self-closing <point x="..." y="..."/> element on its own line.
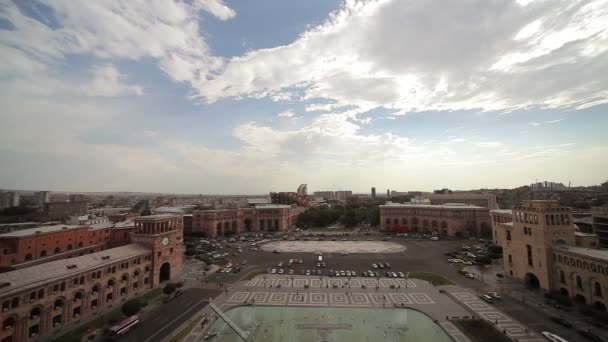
<point x="286" y="114"/>
<point x="107" y="82"/>
<point x="217" y="8"/>
<point x="477" y="55"/>
<point x="533" y="123"/>
<point x="489" y="144"/>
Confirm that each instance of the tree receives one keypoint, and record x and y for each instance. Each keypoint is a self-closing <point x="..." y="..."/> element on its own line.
<point x="146" y="212"/>
<point x="169" y="288"/>
<point x="495" y="251"/>
<point x="131" y="307"/>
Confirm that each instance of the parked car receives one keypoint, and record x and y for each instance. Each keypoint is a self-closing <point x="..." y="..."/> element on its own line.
<point x="486" y="298"/>
<point x="273" y="271"/>
<point x="552" y="337"/>
<point x="494" y="295"/>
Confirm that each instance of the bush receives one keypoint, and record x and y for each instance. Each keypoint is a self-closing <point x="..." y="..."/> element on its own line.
<point x="190" y="252"/>
<point x="484" y="260"/>
<point x="180" y="284"/>
<point x="144" y="303"/>
<point x="131" y="307"/>
<point x="169" y="288"/>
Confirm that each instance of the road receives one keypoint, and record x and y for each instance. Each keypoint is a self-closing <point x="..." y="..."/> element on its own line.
<point x="163" y="320"/>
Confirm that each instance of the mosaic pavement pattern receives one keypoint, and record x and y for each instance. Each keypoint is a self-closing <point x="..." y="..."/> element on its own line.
<point x="314" y="282"/>
<point x="333" y="298"/>
<point x="513" y="328"/>
<point x="334" y="246"/>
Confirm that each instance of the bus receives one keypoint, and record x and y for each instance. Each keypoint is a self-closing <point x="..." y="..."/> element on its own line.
<point x="123" y="327"/>
<point x="320" y="259"/>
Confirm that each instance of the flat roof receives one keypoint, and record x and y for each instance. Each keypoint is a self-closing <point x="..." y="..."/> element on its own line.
<point x="156" y="217"/>
<point x="431" y="206"/>
<point x="272" y="206"/>
<point x="595" y="253"/>
<point x="502" y="211"/>
<point x="583" y="234"/>
<point x="124" y="224"/>
<point x="42" y="229"/>
<point x="34" y="276"/>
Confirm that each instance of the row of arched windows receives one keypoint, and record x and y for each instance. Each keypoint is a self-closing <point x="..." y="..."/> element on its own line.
<point x="597" y="287"/>
<point x="585" y="265"/>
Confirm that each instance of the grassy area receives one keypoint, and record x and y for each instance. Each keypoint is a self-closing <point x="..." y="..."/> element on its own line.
<point x="252" y="274"/>
<point x="457" y="266"/>
<point x="480" y="330"/>
<point x="180" y="336"/>
<point x="105" y="319"/>
<point x="432" y="277"/>
<point x="329" y="230"/>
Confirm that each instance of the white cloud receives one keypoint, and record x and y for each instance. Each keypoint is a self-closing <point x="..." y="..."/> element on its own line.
<point x="476" y="55"/>
<point x="286" y="114"/>
<point x="107" y="82"/>
<point x="217" y="8"/>
<point x="489" y="144"/>
<point x="535" y="124"/>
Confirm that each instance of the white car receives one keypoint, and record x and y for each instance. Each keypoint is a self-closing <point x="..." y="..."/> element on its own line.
<point x="434" y="238"/>
<point x="273" y="271"/>
<point x="342" y="273"/>
<point x="374" y="266"/>
<point x="307" y="272"/>
<point x="281" y="271"/>
<point x="348" y="273"/>
<point x="401" y="275"/>
<point x="494" y="295"/>
<point x="470" y="275"/>
<point x="454" y="260"/>
<point x="552" y="337"/>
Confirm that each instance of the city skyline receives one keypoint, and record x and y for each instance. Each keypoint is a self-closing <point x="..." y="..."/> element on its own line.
<point x="229" y="97"/>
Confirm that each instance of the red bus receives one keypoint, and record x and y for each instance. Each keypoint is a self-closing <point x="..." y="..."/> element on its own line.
<point x="123" y="327"/>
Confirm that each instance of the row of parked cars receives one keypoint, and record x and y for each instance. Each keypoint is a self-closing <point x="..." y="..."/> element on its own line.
<point x="381" y="265"/>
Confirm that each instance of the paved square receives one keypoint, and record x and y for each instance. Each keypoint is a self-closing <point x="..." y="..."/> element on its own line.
<point x="297" y="298"/>
<point x="355" y="283"/>
<point x="378" y="298"/>
<point x="338" y="298"/>
<point x="513" y="329"/>
<point x="462" y="296"/>
<point x="238" y="297"/>
<point x="359" y="298"/>
<point x="318" y="298"/>
<point x="478" y="306"/>
<point x="300" y="282"/>
<point x="277" y="298"/>
<point x="400" y="298"/>
<point x="338" y="282"/>
<point x="253" y="282"/>
<point x="259" y="297"/>
<point x="284" y="282"/>
<point x="494" y="316"/>
<point x="370" y="283"/>
<point x="421" y="298"/>
<point x="316" y="283"/>
<point x="386" y="282"/>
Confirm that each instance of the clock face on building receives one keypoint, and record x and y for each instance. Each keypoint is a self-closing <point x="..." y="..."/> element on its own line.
<point x="165" y="241"/>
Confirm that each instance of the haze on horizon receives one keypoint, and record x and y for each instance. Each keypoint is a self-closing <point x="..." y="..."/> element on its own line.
<point x="244" y="97"/>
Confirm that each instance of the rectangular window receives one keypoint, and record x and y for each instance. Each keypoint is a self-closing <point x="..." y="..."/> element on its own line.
<point x="530" y="261"/>
<point x="508" y="235"/>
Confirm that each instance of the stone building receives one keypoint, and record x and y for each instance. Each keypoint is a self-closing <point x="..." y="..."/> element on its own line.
<point x="600" y="224"/>
<point x="267" y="218"/>
<point x="445" y="220"/>
<point x="62" y="210"/>
<point x="49" y="299"/>
<point x="542" y="248"/>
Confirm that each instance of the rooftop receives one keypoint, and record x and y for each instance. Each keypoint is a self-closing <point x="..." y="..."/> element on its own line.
<point x="124" y="224"/>
<point x="272" y="206"/>
<point x="156" y="217"/>
<point x="595" y="253"/>
<point x="42" y="230"/>
<point x="30" y="277"/>
<point x="502" y="211"/>
<point x="431" y="206"/>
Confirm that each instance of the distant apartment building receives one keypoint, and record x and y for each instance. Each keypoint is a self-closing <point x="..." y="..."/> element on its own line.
<point x="457" y="220"/>
<point x="326" y="195"/>
<point x="109" y="211"/>
<point x="600" y="224"/>
<point x="9" y="199"/>
<point x="343" y="195"/>
<point x="373" y="193"/>
<point x="63" y="210"/>
<point x="42" y="197"/>
<point x="290" y="198"/>
<point x="302" y="190"/>
<point x="486" y="200"/>
<point x="547" y="186"/>
<point x="77" y="198"/>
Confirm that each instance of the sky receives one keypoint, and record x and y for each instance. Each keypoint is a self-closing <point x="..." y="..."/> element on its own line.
<point x="247" y="97"/>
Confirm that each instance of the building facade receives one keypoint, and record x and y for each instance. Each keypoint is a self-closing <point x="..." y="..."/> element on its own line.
<point x="63" y="210"/>
<point x="268" y="218"/>
<point x="542" y="248"/>
<point x="444" y="220"/>
<point x="486" y="200"/>
<point x="48" y="299"/>
<point x="9" y="199"/>
<point x="600" y="224"/>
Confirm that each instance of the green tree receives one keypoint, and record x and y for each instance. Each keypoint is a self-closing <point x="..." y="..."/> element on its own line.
<point x="169" y="288"/>
<point x="146" y="212"/>
<point x="131" y="307"/>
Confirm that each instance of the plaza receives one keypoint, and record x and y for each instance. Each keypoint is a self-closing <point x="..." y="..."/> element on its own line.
<point x="334" y="246"/>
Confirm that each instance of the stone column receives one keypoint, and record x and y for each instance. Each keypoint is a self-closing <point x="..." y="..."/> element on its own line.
<point x="21" y="329"/>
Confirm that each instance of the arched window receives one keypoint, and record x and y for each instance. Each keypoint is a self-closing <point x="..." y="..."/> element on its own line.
<point x="547" y="219"/>
<point x="562" y="277"/>
<point x="9" y="323"/>
<point x="597" y="289"/>
<point x="579" y="283"/>
<point x="57" y="250"/>
<point x="35" y="313"/>
<point x="43" y="253"/>
<point x="28" y="256"/>
<point x="15" y="302"/>
<point x="78" y="296"/>
<point x="529" y="250"/>
<point x="58" y="304"/>
<point x="6" y="305"/>
<point x="69" y="247"/>
<point x="32" y="296"/>
<point x="95" y="289"/>
<point x="136" y="273"/>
